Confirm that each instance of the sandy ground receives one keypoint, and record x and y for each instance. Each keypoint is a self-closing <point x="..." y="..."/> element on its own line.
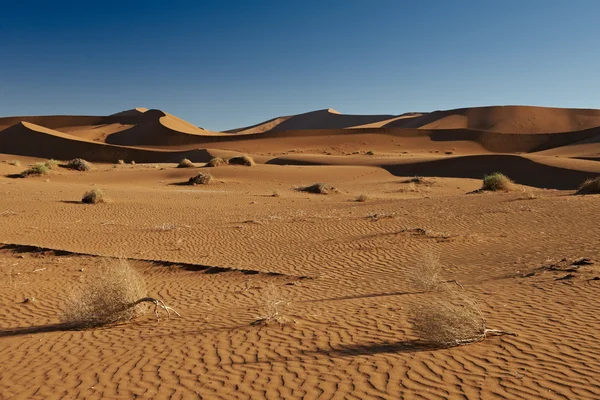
<point x="221" y="253"/>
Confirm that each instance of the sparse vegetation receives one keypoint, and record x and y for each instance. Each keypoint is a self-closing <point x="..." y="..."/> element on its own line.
<point x="370" y="153"/>
<point x="121" y="162"/>
<point x="276" y="193"/>
<point x="318" y="188"/>
<point x="94" y="196"/>
<point x="242" y="160"/>
<point x="201" y="179"/>
<point x="51" y="163"/>
<point x="448" y="317"/>
<point x="362" y="198"/>
<point x="14" y="163"/>
<point x="36" y="169"/>
<point x="79" y="164"/>
<point x="132" y="162"/>
<point x="216" y="161"/>
<point x="273" y="308"/>
<point x="496" y="181"/>
<point x="114" y="292"/>
<point x="590" y="186"/>
<point x="185" y="163"/>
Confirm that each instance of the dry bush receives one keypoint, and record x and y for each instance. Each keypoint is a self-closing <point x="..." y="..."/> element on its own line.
<point x="132" y="162"/>
<point x="273" y="307"/>
<point x="79" y="164"/>
<point x="14" y="163"/>
<point x="590" y="186"/>
<point x="51" y="163"/>
<point x="448" y="318"/>
<point x="36" y="169"/>
<point x="94" y="196"/>
<point x="318" y="188"/>
<point x="242" y="160"/>
<point x="201" y="179"/>
<point x="216" y="161"/>
<point x="370" y="153"/>
<point x="497" y="181"/>
<point x="108" y="296"/>
<point x="362" y="198"/>
<point x="185" y="163"/>
<point x="427" y="274"/>
<point x="121" y="162"/>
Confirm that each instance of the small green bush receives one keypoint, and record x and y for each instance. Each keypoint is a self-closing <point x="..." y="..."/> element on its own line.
<point x="79" y="164"/>
<point x="94" y="196"/>
<point x="242" y="160"/>
<point x="36" y="169"/>
<point x="496" y="181"/>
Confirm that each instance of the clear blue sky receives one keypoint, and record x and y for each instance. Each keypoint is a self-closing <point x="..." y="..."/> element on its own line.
<point x="225" y="64"/>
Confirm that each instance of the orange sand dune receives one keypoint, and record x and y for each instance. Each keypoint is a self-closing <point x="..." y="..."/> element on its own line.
<point x="506" y="119"/>
<point x="28" y="139"/>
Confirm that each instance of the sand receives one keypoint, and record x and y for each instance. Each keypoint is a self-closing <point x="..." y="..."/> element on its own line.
<point x="339" y="268"/>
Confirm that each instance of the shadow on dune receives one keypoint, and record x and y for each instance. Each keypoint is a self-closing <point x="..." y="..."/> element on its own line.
<point x="519" y="169"/>
<point x="29" y="330"/>
<point x="405" y="346"/>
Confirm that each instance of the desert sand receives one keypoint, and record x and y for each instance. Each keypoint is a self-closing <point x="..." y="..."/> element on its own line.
<point x="337" y="270"/>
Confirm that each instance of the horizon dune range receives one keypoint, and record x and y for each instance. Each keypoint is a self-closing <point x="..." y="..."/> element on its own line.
<point x="451" y="254"/>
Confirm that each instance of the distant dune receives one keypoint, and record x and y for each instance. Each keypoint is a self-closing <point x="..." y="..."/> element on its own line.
<point x="156" y="136"/>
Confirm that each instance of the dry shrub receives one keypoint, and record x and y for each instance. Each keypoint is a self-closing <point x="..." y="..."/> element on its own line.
<point x="201" y="179"/>
<point x="216" y="161"/>
<point x="108" y="296"/>
<point x="318" y="188"/>
<point x="242" y="160"/>
<point x="94" y="196"/>
<point x="273" y="307"/>
<point x="427" y="274"/>
<point x="121" y="162"/>
<point x="132" y="162"/>
<point x="36" y="169"/>
<point x="362" y="198"/>
<point x="80" y="164"/>
<point x="448" y="318"/>
<point x="185" y="163"/>
<point x="51" y="163"/>
<point x="15" y="163"/>
<point x="497" y="181"/>
<point x="590" y="186"/>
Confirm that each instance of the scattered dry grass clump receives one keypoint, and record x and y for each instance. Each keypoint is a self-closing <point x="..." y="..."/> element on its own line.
<point x="497" y="181"/>
<point x="51" y="163"/>
<point x="94" y="196"/>
<point x="590" y="186"/>
<point x="14" y="163"/>
<point x="362" y="198"/>
<point x="185" y="163"/>
<point x="36" y="169"/>
<point x="448" y="316"/>
<point x="79" y="164"/>
<point x="273" y="308"/>
<point x="121" y="162"/>
<point x="216" y="161"/>
<point x="242" y="160"/>
<point x="318" y="188"/>
<point x="108" y="296"/>
<point x="201" y="179"/>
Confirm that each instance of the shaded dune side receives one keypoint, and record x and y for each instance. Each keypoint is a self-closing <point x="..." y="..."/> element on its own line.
<point x="260" y="127"/>
<point x="31" y="140"/>
<point x="505" y="119"/>
<point x="520" y="169"/>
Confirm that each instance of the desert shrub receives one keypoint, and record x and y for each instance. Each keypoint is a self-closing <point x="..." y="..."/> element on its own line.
<point x="362" y="198"/>
<point x="426" y="274"/>
<point x="132" y="162"/>
<point x="108" y="296"/>
<point x="79" y="164"/>
<point x="121" y="162"/>
<point x="273" y="307"/>
<point x="185" y="163"/>
<point x="201" y="179"/>
<point x="318" y="188"/>
<point x="216" y="161"/>
<point x="370" y="153"/>
<point x="448" y="318"/>
<point x="496" y="181"/>
<point x="51" y="163"/>
<point x="590" y="186"/>
<point x="15" y="163"/>
<point x="94" y="196"/>
<point x="35" y="169"/>
<point x="242" y="160"/>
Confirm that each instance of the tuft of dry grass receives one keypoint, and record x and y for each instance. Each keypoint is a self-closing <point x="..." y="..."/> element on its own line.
<point x="362" y="198"/>
<point x="273" y="307"/>
<point x="185" y="163"/>
<point x="132" y="162"/>
<point x="427" y="274"/>
<point x="242" y="160"/>
<point x="216" y="161"/>
<point x="497" y="181"/>
<point x="36" y="169"/>
<point x="108" y="296"/>
<point x="318" y="188"/>
<point x="51" y="163"/>
<point x="94" y="196"/>
<point x="79" y="164"/>
<point x="121" y="162"/>
<point x="14" y="163"/>
<point x="590" y="186"/>
<point x="202" y="178"/>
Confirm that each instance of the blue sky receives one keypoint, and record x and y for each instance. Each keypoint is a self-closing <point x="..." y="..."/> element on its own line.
<point x="226" y="64"/>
